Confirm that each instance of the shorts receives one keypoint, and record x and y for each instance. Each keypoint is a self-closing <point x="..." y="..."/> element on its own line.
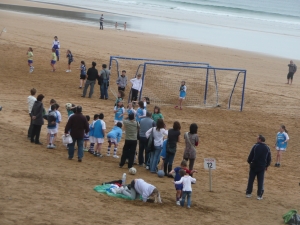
<point x="116" y="121"/>
<point x="290" y="75"/>
<point x="280" y="149"/>
<point x="178" y="187"/>
<point x="181" y="97"/>
<point x="99" y="140"/>
<point x="53" y="62"/>
<point x="82" y="77"/>
<point x="57" y="52"/>
<point x="69" y="62"/>
<point x="86" y="138"/>
<point x="30" y="61"/>
<point x="92" y="139"/>
<point x="52" y="131"/>
<point x="112" y="140"/>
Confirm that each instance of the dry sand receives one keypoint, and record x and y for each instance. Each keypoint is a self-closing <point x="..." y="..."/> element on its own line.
<point x="40" y="186"/>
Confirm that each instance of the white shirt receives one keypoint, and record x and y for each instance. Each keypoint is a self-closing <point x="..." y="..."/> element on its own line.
<point x="136" y="83"/>
<point x="103" y="124"/>
<point x="143" y="188"/>
<point x="30" y="100"/>
<point x="158" y="135"/>
<point x="58" y="116"/>
<point x="187" y="181"/>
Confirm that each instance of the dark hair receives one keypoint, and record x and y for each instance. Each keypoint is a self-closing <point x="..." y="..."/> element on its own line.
<point x="147" y="100"/>
<point x="141" y="104"/>
<point x="40" y="97"/>
<point x="56" y="106"/>
<point x="283" y="127"/>
<point x="101" y="116"/>
<point x="69" y="51"/>
<point x="52" y="101"/>
<point x="183" y="163"/>
<point x="73" y="105"/>
<point x="55" y="37"/>
<point x="148" y="114"/>
<point x="104" y="66"/>
<point x="262" y="138"/>
<point x="30" y="49"/>
<point x="78" y="109"/>
<point x="82" y="62"/>
<point x="53" y="107"/>
<point x="119" y="124"/>
<point x="96" y="116"/>
<point x="33" y="91"/>
<point x="123" y="71"/>
<point x="193" y="128"/>
<point x="176" y="125"/>
<point x="94" y="64"/>
<point x="182" y="172"/>
<point x="158" y="109"/>
<point x="53" y="50"/>
<point x="160" y="124"/>
<point x="122" y="93"/>
<point x="131" y="116"/>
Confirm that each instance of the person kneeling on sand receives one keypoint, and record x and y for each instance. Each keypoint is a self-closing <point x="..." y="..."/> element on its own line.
<point x="139" y="187"/>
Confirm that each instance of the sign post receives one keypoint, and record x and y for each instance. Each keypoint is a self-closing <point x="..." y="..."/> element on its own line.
<point x="210" y="164"/>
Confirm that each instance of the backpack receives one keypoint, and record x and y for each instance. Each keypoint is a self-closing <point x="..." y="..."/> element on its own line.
<point x="291" y="217"/>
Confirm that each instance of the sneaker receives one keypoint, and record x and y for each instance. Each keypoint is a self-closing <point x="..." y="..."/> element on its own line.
<point x="188" y="207"/>
<point x="85" y="149"/>
<point x="177" y="202"/>
<point x="80" y="87"/>
<point x="30" y="71"/>
<point x="99" y="155"/>
<point x="147" y="167"/>
<point x="108" y="154"/>
<point x="115" y="156"/>
<point x="95" y="153"/>
<point x="259" y="197"/>
<point x="276" y="165"/>
<point x="248" y="195"/>
<point x="176" y="107"/>
<point x="49" y="146"/>
<point x="53" y="146"/>
<point x="79" y="160"/>
<point x="68" y="71"/>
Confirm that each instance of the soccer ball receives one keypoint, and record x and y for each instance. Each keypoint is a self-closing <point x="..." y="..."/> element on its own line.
<point x="132" y="171"/>
<point x="68" y="105"/>
<point x="160" y="173"/>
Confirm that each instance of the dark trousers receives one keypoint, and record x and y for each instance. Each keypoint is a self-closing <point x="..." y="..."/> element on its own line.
<point x="35" y="135"/>
<point x="101" y="25"/>
<point x="134" y="94"/>
<point x="128" y="152"/>
<point x="168" y="163"/>
<point x="121" y="89"/>
<point x="30" y="127"/>
<point x="260" y="174"/>
<point x="143" y="142"/>
<point x="191" y="163"/>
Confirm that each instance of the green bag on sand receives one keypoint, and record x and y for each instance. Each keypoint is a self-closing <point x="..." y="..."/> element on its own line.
<point x="289" y="215"/>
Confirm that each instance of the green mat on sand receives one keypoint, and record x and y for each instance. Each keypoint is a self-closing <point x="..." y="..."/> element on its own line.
<point x="105" y="189"/>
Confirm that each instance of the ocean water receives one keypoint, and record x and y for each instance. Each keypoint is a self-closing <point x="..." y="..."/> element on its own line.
<point x="270" y="27"/>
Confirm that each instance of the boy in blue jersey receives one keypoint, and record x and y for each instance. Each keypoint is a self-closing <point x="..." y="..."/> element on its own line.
<point x="281" y="143"/>
<point x="56" y="46"/>
<point x="114" y="137"/>
<point x="99" y="134"/>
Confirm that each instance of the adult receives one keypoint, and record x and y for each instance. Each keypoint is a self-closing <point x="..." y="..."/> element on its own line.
<point x="37" y="119"/>
<point x="103" y="81"/>
<point x="292" y="70"/>
<point x="259" y="160"/>
<point x="173" y="138"/>
<point x="30" y="100"/>
<point x="136" y="87"/>
<point x="122" y="81"/>
<point x="78" y="126"/>
<point x="91" y="75"/>
<point x="125" y="25"/>
<point x="191" y="141"/>
<point x="101" y="22"/>
<point x="139" y="187"/>
<point x="145" y="124"/>
<point x="129" y="148"/>
<point x="158" y="135"/>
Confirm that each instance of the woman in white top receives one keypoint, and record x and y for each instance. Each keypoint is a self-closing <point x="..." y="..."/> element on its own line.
<point x="158" y="134"/>
<point x="136" y="87"/>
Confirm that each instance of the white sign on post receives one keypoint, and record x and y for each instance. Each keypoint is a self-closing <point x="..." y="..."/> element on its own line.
<point x="210" y="164"/>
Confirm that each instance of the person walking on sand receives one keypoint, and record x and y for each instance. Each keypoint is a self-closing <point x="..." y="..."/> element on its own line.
<point x="101" y="22"/>
<point x="259" y="159"/>
<point x="292" y="70"/>
<point x="125" y="25"/>
<point x="92" y="75"/>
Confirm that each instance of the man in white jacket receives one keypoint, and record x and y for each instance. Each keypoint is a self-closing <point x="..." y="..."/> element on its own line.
<point x="137" y="84"/>
<point x="30" y="100"/>
<point x="146" y="190"/>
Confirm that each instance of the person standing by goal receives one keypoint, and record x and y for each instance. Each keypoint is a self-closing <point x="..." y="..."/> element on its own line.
<point x="182" y="94"/>
<point x="292" y="71"/>
<point x="136" y="87"/>
<point x="101" y="22"/>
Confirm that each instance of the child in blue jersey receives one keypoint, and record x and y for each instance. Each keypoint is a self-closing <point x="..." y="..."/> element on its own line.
<point x="140" y="112"/>
<point x="91" y="134"/>
<point x="281" y="143"/>
<point x="56" y="46"/>
<point x="82" y="74"/>
<point x="99" y="134"/>
<point x="130" y="110"/>
<point x="51" y="127"/>
<point x="86" y="136"/>
<point x="119" y="111"/>
<point x="70" y="60"/>
<point x="182" y="94"/>
<point x="114" y="137"/>
<point x="120" y="97"/>
<point x="30" y="59"/>
<point x="177" y="177"/>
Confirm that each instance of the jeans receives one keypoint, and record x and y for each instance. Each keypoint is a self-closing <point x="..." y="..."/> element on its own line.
<point x="104" y="89"/>
<point x="168" y="162"/>
<point x="86" y="86"/>
<point x="154" y="158"/>
<point x="143" y="142"/>
<point x="260" y="181"/>
<point x="187" y="194"/>
<point x="80" y="148"/>
<point x="35" y="134"/>
<point x="30" y="127"/>
<point x="128" y="152"/>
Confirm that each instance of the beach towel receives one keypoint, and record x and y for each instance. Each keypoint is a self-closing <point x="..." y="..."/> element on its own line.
<point x="106" y="190"/>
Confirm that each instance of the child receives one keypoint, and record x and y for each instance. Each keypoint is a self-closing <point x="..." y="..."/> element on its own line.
<point x="99" y="134"/>
<point x="130" y="109"/>
<point x="120" y="97"/>
<point x="70" y="60"/>
<point x="58" y="120"/>
<point x="52" y="102"/>
<point x="281" y="143"/>
<point x="182" y="94"/>
<point x="177" y="177"/>
<point x="70" y="107"/>
<point x="52" y="129"/>
<point x="186" y="180"/>
<point x="156" y="114"/>
<point x="119" y="111"/>
<point x="86" y="136"/>
<point x="136" y="87"/>
<point x="145" y="100"/>
<point x="114" y="137"/>
<point x="82" y="74"/>
<point x="140" y="112"/>
<point x="56" y="46"/>
<point x="122" y="81"/>
<point x="30" y="59"/>
<point x="53" y="60"/>
<point x="91" y="134"/>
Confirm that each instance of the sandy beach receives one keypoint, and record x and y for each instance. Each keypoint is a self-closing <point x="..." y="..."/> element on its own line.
<point x="41" y="186"/>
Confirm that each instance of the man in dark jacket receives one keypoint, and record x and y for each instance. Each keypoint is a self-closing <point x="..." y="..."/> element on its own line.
<point x="77" y="125"/>
<point x="292" y="70"/>
<point x="104" y="82"/>
<point x="259" y="160"/>
<point x="92" y="75"/>
<point x="37" y="119"/>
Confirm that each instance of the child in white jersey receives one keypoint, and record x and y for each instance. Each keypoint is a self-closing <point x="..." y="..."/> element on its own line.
<point x="281" y="143"/>
<point x="91" y="134"/>
<point x="30" y="59"/>
<point x="182" y="94"/>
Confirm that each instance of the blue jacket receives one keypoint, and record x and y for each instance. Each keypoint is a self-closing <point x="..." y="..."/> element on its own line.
<point x="115" y="133"/>
<point x="98" y="133"/>
<point x="164" y="149"/>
